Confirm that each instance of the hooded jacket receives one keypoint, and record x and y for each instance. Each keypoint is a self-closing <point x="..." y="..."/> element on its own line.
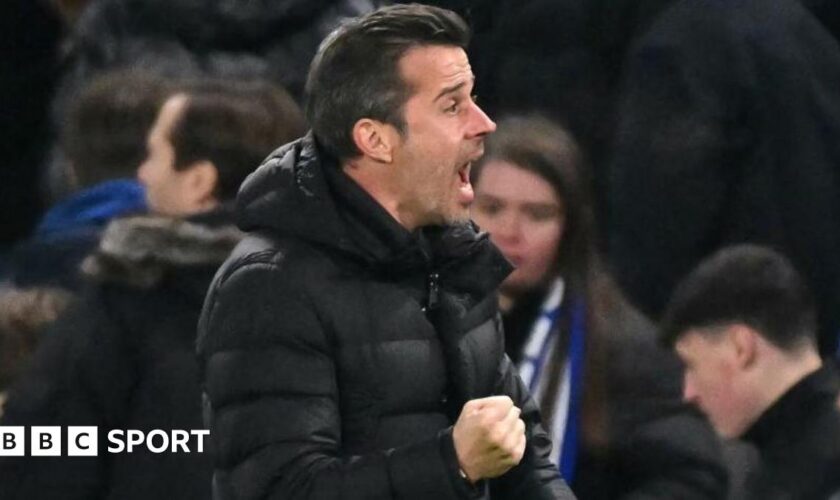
<point x="338" y="348"/>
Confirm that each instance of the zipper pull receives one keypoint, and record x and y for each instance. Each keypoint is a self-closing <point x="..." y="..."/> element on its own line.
<point x="434" y="290"/>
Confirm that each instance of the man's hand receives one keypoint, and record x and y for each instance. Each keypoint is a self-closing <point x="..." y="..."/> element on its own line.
<point x="489" y="437"/>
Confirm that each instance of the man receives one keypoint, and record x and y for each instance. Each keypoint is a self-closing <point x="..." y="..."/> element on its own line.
<point x="744" y="324"/>
<point x="123" y="357"/>
<point x="100" y="144"/>
<point x="350" y="344"/>
<point x="208" y="138"/>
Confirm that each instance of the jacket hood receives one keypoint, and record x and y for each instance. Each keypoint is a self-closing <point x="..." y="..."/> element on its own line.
<point x="141" y="251"/>
<point x="302" y="194"/>
<point x="289" y="195"/>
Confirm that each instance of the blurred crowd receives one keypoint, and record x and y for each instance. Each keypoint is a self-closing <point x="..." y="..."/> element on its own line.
<point x="637" y="139"/>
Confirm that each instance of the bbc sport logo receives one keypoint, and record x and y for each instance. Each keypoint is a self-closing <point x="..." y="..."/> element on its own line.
<point x="83" y="441"/>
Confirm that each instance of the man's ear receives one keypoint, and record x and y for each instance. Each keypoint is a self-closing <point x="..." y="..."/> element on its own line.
<point x="375" y="139"/>
<point x="745" y="340"/>
<point x="201" y="181"/>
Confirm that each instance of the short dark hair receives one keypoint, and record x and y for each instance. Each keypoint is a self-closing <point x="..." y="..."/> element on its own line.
<point x="234" y="125"/>
<point x="747" y="284"/>
<point x="104" y="136"/>
<point x="355" y="73"/>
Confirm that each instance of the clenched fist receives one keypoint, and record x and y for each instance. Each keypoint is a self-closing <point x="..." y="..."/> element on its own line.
<point x="489" y="437"/>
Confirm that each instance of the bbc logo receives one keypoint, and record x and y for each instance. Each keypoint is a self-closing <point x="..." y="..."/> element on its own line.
<point x="45" y="441"/>
<point x="83" y="441"/>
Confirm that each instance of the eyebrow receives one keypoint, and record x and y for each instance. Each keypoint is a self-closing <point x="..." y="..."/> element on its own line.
<point x="452" y="88"/>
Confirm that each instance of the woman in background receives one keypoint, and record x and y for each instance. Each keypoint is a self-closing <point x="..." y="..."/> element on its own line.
<point x="610" y="397"/>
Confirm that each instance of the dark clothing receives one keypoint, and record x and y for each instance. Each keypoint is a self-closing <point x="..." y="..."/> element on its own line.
<point x="728" y="133"/>
<point x="798" y="439"/>
<point x="828" y="12"/>
<point x="227" y="38"/>
<point x="652" y="445"/>
<point x="70" y="231"/>
<point x="123" y="358"/>
<point x="338" y="348"/>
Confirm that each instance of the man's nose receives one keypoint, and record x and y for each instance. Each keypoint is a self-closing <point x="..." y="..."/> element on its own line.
<point x="481" y="124"/>
<point x="689" y="392"/>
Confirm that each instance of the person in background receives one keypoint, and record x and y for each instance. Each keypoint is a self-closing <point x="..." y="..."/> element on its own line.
<point x="123" y="356"/>
<point x="608" y="394"/>
<point x="102" y="142"/>
<point x="744" y="324"/>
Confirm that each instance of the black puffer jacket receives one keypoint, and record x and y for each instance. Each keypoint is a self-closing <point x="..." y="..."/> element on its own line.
<point x="124" y="358"/>
<point x="339" y="348"/>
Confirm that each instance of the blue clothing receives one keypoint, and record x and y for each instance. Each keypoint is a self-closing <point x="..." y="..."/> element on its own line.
<point x="93" y="207"/>
<point x="69" y="231"/>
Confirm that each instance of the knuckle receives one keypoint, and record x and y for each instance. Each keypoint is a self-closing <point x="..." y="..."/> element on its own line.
<point x="487" y="421"/>
<point x="496" y="435"/>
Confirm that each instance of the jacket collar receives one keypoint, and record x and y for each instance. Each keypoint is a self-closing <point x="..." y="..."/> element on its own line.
<point x="288" y="196"/>
<point x="140" y="251"/>
<point x="302" y="193"/>
<point x="793" y="411"/>
<point x="93" y="207"/>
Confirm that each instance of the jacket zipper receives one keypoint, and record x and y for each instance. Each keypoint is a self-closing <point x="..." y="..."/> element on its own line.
<point x="434" y="291"/>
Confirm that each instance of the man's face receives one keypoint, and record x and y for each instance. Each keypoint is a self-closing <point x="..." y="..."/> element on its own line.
<point x="165" y="186"/>
<point x="444" y="134"/>
<point x="525" y="219"/>
<point x="713" y="381"/>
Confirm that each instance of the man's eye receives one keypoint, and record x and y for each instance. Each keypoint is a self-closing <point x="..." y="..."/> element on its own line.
<point x="453" y="108"/>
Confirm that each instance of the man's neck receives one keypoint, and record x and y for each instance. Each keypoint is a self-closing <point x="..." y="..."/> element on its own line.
<point x="369" y="178"/>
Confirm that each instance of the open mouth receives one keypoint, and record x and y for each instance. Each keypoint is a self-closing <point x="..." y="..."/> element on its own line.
<point x="464" y="172"/>
<point x="465" y="189"/>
